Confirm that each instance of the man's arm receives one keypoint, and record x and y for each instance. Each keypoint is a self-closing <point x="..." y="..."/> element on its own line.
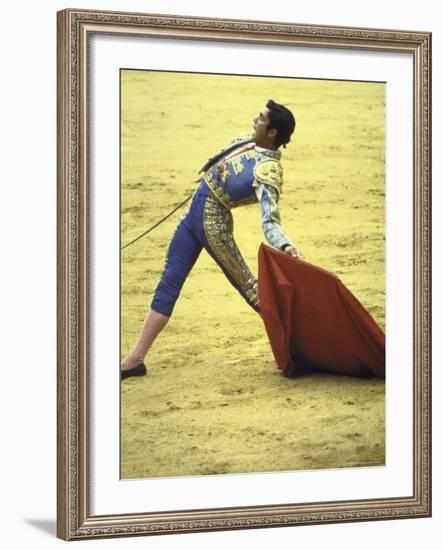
<point x="268" y="183"/>
<point x="270" y="218"/>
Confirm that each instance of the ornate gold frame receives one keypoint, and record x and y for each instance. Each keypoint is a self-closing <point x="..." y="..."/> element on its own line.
<point x="75" y="28"/>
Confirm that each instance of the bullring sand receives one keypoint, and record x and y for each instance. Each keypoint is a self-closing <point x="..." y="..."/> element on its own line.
<point x="213" y="401"/>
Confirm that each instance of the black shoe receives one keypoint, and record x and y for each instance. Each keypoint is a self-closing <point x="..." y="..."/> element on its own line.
<point x="139" y="370"/>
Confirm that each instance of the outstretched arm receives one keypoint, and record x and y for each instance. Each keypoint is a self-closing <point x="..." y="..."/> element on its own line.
<point x="270" y="218"/>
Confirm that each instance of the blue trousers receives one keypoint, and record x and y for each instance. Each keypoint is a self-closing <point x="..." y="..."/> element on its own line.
<point x="206" y="224"/>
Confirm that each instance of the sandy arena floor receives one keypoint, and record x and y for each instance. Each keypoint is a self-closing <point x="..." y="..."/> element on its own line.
<point x="213" y="401"/>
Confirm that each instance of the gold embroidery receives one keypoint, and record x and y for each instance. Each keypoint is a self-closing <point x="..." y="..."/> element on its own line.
<point x="269" y="172"/>
<point x="218" y="226"/>
<point x="213" y="185"/>
<point x="237" y="165"/>
<point x="224" y="173"/>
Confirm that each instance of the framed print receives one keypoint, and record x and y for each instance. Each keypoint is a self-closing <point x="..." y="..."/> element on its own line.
<point x="179" y="408"/>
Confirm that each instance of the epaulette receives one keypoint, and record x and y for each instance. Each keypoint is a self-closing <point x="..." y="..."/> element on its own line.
<point x="270" y="172"/>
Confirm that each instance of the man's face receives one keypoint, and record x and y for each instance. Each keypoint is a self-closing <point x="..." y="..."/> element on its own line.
<point x="263" y="136"/>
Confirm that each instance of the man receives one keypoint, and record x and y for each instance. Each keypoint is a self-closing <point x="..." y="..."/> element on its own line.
<point x="249" y="170"/>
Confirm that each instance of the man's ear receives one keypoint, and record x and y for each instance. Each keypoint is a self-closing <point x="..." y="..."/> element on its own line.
<point x="272" y="133"/>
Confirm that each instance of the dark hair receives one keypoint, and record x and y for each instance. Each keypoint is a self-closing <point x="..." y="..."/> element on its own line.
<point x="282" y="120"/>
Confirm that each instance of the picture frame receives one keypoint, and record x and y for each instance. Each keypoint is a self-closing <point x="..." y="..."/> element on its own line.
<point x="76" y="317"/>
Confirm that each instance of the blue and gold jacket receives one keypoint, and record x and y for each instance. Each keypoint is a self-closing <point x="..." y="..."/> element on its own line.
<point x="244" y="173"/>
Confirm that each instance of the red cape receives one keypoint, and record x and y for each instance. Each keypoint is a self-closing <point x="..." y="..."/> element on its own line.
<point x="313" y="321"/>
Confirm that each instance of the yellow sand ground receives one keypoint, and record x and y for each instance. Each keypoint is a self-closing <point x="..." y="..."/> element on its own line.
<point x="213" y="401"/>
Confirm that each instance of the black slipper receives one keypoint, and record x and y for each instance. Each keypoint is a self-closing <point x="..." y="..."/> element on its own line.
<point x="139" y="370"/>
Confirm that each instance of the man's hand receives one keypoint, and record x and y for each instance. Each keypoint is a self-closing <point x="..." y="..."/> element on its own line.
<point x="292" y="251"/>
